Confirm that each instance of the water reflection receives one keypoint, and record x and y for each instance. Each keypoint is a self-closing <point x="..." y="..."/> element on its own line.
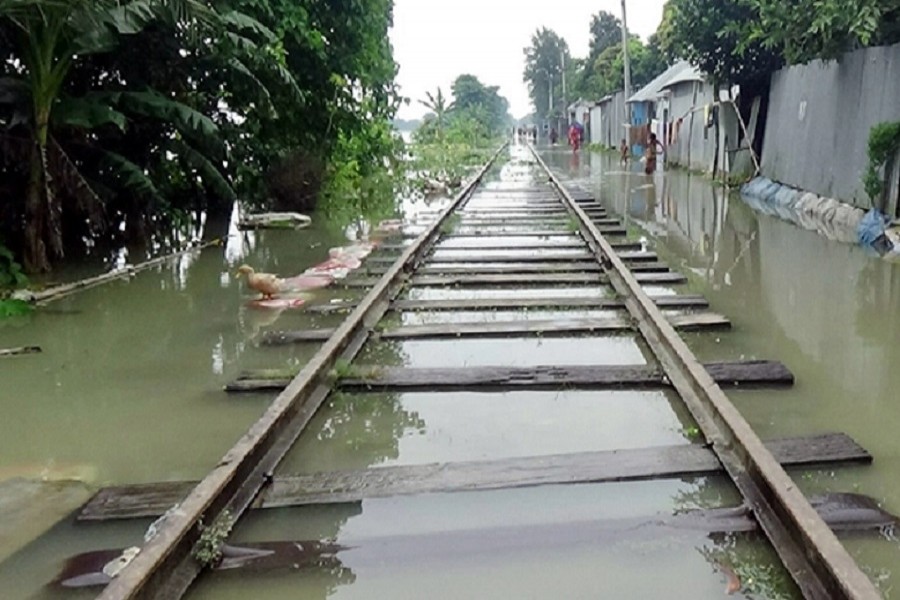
<point x="489" y="544"/>
<point x="826" y="309"/>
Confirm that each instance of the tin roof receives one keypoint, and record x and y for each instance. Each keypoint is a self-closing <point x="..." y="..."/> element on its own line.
<point x="677" y="73"/>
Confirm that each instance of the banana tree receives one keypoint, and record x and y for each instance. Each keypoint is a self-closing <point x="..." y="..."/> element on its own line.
<point x="437" y="103"/>
<point x="50" y="35"/>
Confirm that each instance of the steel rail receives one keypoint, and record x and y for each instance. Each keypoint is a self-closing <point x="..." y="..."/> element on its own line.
<point x="164" y="567"/>
<point x="817" y="561"/>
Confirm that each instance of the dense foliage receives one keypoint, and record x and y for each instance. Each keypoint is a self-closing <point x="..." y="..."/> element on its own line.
<point x="459" y="132"/>
<point x="804" y="30"/>
<point x="709" y="34"/>
<point x="884" y="143"/>
<point x="606" y="74"/>
<point x="606" y="31"/>
<point x="117" y="117"/>
<point x="599" y="74"/>
<point x="480" y="103"/>
<point x="473" y="110"/>
<point x="745" y="41"/>
<point x="733" y="41"/>
<point x="544" y="62"/>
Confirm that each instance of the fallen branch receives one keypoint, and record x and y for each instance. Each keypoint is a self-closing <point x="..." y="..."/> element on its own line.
<point x="56" y="292"/>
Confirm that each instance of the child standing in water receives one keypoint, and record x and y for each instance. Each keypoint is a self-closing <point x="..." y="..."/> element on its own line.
<point x="624" y="150"/>
<point x="652" y="145"/>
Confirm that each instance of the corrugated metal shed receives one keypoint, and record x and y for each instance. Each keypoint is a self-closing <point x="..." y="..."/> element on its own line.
<point x="686" y="76"/>
<point x="649" y="92"/>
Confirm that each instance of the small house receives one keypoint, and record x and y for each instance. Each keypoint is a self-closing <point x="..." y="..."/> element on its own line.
<point x="699" y="129"/>
<point x="608" y="123"/>
<point x="643" y="109"/>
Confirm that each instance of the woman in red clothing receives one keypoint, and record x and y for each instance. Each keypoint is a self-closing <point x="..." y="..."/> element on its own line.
<point x="574" y="138"/>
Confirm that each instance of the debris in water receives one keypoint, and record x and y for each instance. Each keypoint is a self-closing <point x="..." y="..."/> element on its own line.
<point x="20" y="351"/>
<point x="115" y="566"/>
<point x="732" y="581"/>
<point x="275" y="220"/>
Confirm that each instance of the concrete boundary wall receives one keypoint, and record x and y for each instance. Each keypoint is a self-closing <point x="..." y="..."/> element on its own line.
<point x="819" y="119"/>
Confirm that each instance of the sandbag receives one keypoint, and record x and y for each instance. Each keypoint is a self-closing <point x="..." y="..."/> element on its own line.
<point x="871" y="228"/>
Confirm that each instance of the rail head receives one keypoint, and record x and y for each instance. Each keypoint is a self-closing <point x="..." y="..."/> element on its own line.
<point x="225" y="483"/>
<point x="815" y="558"/>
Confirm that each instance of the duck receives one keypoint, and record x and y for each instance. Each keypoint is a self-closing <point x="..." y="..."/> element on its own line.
<point x="266" y="284"/>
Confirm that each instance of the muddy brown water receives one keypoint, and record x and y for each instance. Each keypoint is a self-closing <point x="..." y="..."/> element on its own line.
<point x="128" y="390"/>
<point x="830" y="311"/>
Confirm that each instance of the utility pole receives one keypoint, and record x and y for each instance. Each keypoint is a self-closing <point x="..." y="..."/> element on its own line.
<point x="562" y="65"/>
<point x="625" y="53"/>
<point x="550" y="92"/>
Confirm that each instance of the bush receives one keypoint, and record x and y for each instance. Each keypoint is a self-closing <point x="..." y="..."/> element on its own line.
<point x="11" y="277"/>
<point x="884" y="143"/>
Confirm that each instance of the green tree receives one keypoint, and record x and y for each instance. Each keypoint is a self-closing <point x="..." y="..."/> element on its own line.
<point x="803" y="30"/>
<point x="606" y="31"/>
<point x="666" y="34"/>
<point x="51" y="39"/>
<point x="437" y="103"/>
<point x="51" y="35"/>
<point x="544" y="60"/>
<point x="709" y="34"/>
<point x="340" y="54"/>
<point x="607" y="73"/>
<point x="481" y="102"/>
<point x="255" y="99"/>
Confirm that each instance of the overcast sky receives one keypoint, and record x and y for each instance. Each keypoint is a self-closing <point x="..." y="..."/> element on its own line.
<point x="436" y="40"/>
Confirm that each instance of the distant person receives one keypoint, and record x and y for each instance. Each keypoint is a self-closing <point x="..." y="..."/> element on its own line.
<point x="554" y="136"/>
<point x="652" y="145"/>
<point x="574" y="138"/>
<point x="625" y="152"/>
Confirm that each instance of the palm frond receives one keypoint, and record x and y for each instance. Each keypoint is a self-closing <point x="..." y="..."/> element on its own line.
<point x="184" y="11"/>
<point x="241" y="43"/>
<point x="87" y="112"/>
<point x="131" y="17"/>
<point x="288" y="80"/>
<point x="131" y="176"/>
<point x="244" y="70"/>
<point x="96" y="27"/>
<point x="155" y="105"/>
<point x="208" y="172"/>
<point x="242" y="21"/>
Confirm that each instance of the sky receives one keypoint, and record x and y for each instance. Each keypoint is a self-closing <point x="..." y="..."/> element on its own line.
<point x="436" y="40"/>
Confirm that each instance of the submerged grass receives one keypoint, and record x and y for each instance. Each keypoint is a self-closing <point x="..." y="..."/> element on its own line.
<point x="450" y="224"/>
<point x="344" y="369"/>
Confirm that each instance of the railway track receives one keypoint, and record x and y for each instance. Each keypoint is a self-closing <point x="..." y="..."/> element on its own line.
<point x="534" y="236"/>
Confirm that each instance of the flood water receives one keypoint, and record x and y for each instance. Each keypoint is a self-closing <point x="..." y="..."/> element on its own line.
<point x="828" y="310"/>
<point x="129" y="389"/>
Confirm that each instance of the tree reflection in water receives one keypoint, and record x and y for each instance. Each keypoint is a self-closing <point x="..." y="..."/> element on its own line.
<point x="349" y="432"/>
